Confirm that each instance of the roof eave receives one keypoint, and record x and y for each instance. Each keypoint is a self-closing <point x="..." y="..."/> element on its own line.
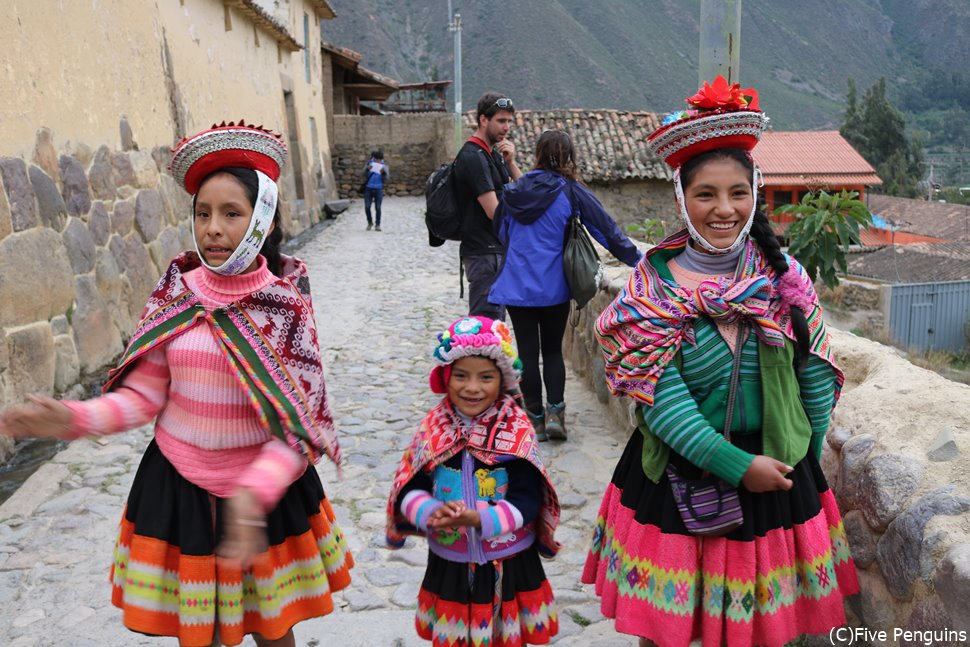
<point x="262" y="19"/>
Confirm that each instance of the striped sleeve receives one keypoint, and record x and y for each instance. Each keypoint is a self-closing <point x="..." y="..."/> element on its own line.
<point x="817" y="384"/>
<point x="418" y="506"/>
<point x="676" y="420"/>
<point x="136" y="402"/>
<point x="500" y="518"/>
<point x="276" y="467"/>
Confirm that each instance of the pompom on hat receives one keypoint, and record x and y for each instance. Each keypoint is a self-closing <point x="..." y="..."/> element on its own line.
<point x="720" y="116"/>
<point x="475" y="336"/>
<point x="241" y="145"/>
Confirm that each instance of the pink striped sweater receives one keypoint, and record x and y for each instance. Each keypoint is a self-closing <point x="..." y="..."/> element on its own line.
<point x="205" y="426"/>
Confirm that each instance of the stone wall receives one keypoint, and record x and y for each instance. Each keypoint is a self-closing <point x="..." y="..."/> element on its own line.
<point x="896" y="457"/>
<point x="413" y="145"/>
<point x="84" y="236"/>
<point x="633" y="201"/>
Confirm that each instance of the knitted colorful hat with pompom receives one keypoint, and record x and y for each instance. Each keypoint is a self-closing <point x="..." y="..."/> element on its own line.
<point x="475" y="336"/>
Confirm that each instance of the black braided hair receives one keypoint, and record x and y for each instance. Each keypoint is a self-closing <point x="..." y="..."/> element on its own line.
<point x="761" y="233"/>
<point x="271" y="246"/>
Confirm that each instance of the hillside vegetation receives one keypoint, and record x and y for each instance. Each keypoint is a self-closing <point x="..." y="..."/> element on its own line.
<point x="642" y="54"/>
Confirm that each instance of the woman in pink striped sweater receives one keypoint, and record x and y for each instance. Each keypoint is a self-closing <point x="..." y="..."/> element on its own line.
<point x="227" y="530"/>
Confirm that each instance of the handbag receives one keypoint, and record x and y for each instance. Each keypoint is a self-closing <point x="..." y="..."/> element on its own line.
<point x="709" y="506"/>
<point x="580" y="262"/>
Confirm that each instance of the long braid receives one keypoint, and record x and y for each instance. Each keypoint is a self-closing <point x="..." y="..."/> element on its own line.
<point x="763" y="235"/>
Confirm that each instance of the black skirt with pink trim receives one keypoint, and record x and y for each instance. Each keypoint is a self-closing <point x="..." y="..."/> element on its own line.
<point x="783" y="573"/>
<point x="501" y="603"/>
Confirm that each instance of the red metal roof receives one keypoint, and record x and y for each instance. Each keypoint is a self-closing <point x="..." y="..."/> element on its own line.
<point x="812" y="157"/>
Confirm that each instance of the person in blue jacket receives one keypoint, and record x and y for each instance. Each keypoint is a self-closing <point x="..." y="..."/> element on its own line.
<point x="531" y="221"/>
<point x="376" y="174"/>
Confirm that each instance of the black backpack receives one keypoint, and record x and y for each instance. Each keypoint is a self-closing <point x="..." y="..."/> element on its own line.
<point x="442" y="215"/>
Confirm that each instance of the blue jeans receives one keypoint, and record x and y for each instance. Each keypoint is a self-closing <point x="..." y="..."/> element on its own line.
<point x="376" y="196"/>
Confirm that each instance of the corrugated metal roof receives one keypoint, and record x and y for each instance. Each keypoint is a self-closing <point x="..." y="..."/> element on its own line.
<point x="802" y="156"/>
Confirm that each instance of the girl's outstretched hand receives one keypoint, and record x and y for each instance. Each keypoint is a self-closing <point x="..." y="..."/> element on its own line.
<point x="765" y="474"/>
<point x="44" y="417"/>
<point x="244" y="529"/>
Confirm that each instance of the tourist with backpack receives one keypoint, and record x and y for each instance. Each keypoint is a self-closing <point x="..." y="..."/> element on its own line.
<point x="485" y="163"/>
<point x="531" y="223"/>
<point x="376" y="175"/>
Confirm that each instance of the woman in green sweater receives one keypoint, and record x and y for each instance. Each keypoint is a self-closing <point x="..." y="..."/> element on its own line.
<point x="719" y="338"/>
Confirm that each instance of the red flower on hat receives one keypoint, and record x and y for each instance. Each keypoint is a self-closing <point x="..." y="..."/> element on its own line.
<point x="721" y="95"/>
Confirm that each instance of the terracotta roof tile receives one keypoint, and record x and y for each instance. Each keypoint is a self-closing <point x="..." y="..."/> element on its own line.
<point x="914" y="263"/>
<point x="822" y="156"/>
<point x="936" y="219"/>
<point x="610" y="144"/>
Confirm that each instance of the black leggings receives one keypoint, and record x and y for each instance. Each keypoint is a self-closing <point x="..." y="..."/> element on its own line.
<point x="541" y="328"/>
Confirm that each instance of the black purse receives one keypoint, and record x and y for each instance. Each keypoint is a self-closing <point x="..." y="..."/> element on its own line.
<point x="580" y="262"/>
<point x="709" y="506"/>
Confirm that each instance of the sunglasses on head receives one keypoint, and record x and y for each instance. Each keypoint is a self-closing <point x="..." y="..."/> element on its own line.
<point x="504" y="104"/>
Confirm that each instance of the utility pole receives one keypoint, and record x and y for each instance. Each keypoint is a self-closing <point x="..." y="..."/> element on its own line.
<point x="720" y="50"/>
<point x="454" y="26"/>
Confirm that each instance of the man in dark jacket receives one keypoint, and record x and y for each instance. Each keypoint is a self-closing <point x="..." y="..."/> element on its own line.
<point x="485" y="163"/>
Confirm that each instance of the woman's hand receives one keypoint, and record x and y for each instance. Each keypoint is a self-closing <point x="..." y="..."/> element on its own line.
<point x="44" y="417"/>
<point x="454" y="514"/>
<point x="244" y="529"/>
<point x="765" y="474"/>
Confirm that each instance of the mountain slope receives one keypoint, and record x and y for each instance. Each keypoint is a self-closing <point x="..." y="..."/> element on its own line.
<point x="642" y="54"/>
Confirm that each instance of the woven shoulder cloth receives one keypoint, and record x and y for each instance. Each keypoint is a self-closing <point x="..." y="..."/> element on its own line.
<point x="502" y="433"/>
<point x="269" y="339"/>
<point x="643" y="328"/>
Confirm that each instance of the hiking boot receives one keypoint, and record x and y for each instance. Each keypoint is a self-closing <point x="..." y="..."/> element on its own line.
<point x="556" y="421"/>
<point x="377" y="228"/>
<point x="538" y="421"/>
<point x="369" y="226"/>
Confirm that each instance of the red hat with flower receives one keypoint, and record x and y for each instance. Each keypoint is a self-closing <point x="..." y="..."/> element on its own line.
<point x="721" y="115"/>
<point x="240" y="145"/>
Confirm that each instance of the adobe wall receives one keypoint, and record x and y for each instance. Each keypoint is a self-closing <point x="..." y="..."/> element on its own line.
<point x="897" y="458"/>
<point x="413" y="145"/>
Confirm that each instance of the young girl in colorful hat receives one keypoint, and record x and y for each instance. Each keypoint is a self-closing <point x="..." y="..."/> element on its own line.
<point x="717" y="318"/>
<point x="227" y="530"/>
<point x="472" y="482"/>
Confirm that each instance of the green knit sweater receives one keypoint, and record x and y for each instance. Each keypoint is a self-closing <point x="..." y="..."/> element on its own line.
<point x="688" y="412"/>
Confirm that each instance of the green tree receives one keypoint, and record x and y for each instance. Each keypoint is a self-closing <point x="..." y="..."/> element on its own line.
<point x="877" y="130"/>
<point x="824" y="227"/>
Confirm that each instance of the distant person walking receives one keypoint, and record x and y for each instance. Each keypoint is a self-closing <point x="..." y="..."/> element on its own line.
<point x="485" y="163"/>
<point x="376" y="175"/>
<point x="531" y="222"/>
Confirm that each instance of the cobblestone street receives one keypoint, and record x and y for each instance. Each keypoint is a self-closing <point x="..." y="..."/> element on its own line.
<point x="380" y="297"/>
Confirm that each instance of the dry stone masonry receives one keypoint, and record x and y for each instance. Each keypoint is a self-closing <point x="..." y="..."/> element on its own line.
<point x="84" y="236"/>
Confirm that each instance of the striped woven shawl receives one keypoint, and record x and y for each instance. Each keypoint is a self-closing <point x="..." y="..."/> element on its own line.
<point x="643" y="328"/>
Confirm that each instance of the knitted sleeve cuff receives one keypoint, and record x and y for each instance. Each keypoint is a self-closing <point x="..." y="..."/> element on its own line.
<point x="499" y="519"/>
<point x="80" y="420"/>
<point x="276" y="467"/>
<point x="730" y="463"/>
<point x="418" y="506"/>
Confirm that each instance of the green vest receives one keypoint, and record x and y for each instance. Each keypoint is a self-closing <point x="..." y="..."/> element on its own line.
<point x="785" y="426"/>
